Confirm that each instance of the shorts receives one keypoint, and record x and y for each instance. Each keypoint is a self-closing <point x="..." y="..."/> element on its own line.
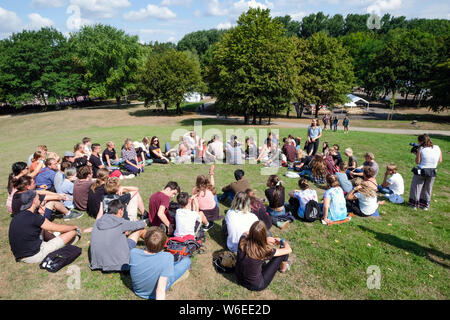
<point x="46" y="248"/>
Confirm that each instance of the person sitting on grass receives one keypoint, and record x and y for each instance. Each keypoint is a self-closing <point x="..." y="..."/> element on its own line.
<point x="254" y="249"/>
<point x="81" y="188"/>
<point x="275" y="194"/>
<point x="42" y="149"/>
<point x="352" y="162"/>
<point x="300" y="198"/>
<point x="60" y="176"/>
<point x="207" y="199"/>
<point x="303" y="161"/>
<point x="96" y="193"/>
<point x="70" y="176"/>
<point x="393" y="187"/>
<point x="334" y="204"/>
<point x="110" y="247"/>
<point x="45" y="180"/>
<point x="159" y="207"/>
<point x="26" y="227"/>
<point x="154" y="271"/>
<point x="183" y="153"/>
<point x="345" y="184"/>
<point x="259" y="209"/>
<point x="238" y="220"/>
<point x="370" y="162"/>
<point x="336" y="155"/>
<point x="240" y="185"/>
<point x="289" y="151"/>
<point x="19" y="169"/>
<point x="362" y="200"/>
<point x="318" y="170"/>
<point x="156" y="154"/>
<point x="369" y="178"/>
<point x="110" y="157"/>
<point x="188" y="218"/>
<point x="130" y="158"/>
<point x="37" y="162"/>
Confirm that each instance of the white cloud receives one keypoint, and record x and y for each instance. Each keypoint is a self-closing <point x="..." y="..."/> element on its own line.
<point x="9" y="21"/>
<point x="382" y="6"/>
<point x="75" y="21"/>
<point x="151" y="11"/>
<point x="37" y="22"/>
<point x="225" y="25"/>
<point x="236" y="8"/>
<point x="169" y="3"/>
<point x="104" y="9"/>
<point x="215" y="9"/>
<point x="48" y="3"/>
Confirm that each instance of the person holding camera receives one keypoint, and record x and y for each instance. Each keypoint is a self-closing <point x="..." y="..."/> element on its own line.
<point x="427" y="158"/>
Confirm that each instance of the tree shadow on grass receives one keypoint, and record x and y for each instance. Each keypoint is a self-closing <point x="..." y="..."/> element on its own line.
<point x="431" y="254"/>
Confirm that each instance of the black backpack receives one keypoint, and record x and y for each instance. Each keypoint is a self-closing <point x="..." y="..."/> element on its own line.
<point x="56" y="260"/>
<point x="312" y="211"/>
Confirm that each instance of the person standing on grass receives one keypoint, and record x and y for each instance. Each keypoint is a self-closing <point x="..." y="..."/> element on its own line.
<point x="254" y="249"/>
<point x="110" y="247"/>
<point x="346" y="123"/>
<point x="325" y="121"/>
<point x="314" y="134"/>
<point x="159" y="207"/>
<point x="26" y="227"/>
<point x="428" y="157"/>
<point x="335" y="123"/>
<point x="154" y="271"/>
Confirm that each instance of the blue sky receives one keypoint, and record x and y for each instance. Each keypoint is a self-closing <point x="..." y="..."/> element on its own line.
<point x="170" y="20"/>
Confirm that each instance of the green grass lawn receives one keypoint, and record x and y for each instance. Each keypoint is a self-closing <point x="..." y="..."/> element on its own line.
<point x="411" y="248"/>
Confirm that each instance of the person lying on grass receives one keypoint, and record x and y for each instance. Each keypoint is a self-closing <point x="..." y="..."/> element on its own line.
<point x="110" y="247"/>
<point x="255" y="248"/>
<point x="26" y="227"/>
<point x="154" y="271"/>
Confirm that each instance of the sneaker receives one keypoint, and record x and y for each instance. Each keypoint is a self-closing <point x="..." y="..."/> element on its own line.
<point x="73" y="215"/>
<point x="413" y="207"/>
<point x="424" y="208"/>
<point x="130" y="176"/>
<point x="75" y="240"/>
<point x="208" y="227"/>
<point x="283" y="224"/>
<point x="285" y="266"/>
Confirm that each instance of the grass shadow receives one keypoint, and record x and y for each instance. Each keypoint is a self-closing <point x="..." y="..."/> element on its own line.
<point x="157" y="113"/>
<point x="431" y="254"/>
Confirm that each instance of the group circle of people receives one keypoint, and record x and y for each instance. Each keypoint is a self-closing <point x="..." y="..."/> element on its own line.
<point x="89" y="181"/>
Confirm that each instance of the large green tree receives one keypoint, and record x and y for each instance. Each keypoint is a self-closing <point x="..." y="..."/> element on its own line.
<point x="325" y="72"/>
<point x="166" y="77"/>
<point x="200" y="41"/>
<point x="110" y="59"/>
<point x="250" y="69"/>
<point x="37" y="65"/>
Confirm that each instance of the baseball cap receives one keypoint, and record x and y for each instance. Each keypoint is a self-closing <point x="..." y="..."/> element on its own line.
<point x="69" y="154"/>
<point x="27" y="199"/>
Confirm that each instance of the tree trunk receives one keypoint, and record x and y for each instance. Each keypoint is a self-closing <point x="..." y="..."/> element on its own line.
<point x="255" y="114"/>
<point x="316" y="113"/>
<point x="165" y="108"/>
<point x="260" y="120"/>
<point x="246" y="118"/>
<point x="288" y="111"/>
<point x="269" y="119"/>
<point x="118" y="101"/>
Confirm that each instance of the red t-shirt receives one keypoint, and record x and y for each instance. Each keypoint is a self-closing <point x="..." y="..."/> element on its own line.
<point x="156" y="200"/>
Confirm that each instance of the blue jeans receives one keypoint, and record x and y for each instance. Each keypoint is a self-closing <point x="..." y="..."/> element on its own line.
<point x="384" y="190"/>
<point x="117" y="163"/>
<point x="227" y="195"/>
<point x="179" y="268"/>
<point x="276" y="213"/>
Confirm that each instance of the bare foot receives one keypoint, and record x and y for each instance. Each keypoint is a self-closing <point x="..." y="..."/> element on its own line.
<point x="88" y="230"/>
<point x="382" y="202"/>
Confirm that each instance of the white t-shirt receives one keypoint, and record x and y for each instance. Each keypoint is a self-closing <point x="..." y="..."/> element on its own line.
<point x="367" y="205"/>
<point x="238" y="223"/>
<point x="429" y="157"/>
<point x="396" y="184"/>
<point x="216" y="148"/>
<point x="185" y="222"/>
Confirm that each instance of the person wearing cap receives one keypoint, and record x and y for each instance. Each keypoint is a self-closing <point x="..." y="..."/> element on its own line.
<point x="26" y="228"/>
<point x="69" y="157"/>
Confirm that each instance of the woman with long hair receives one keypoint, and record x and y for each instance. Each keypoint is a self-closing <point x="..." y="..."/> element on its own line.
<point x="96" y="193"/>
<point x="300" y="198"/>
<point x="318" y="170"/>
<point x="18" y="169"/>
<point x="238" y="220"/>
<point x="37" y="163"/>
<point x="314" y="134"/>
<point x="362" y="200"/>
<point x="130" y="158"/>
<point x="428" y="157"/>
<point x="255" y="248"/>
<point x="259" y="209"/>
<point x="155" y="152"/>
<point x="207" y="199"/>
<point x="275" y="195"/>
<point x="334" y="204"/>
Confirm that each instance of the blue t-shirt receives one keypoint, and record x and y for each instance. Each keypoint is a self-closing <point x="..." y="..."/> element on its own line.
<point x="338" y="209"/>
<point x="45" y="177"/>
<point x="346" y="185"/>
<point x="146" y="269"/>
<point x="67" y="188"/>
<point x="314" y="133"/>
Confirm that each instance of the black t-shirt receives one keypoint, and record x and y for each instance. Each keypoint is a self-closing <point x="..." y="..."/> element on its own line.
<point x="337" y="159"/>
<point x="124" y="199"/>
<point x="306" y="161"/>
<point x="16" y="203"/>
<point x="152" y="154"/>
<point x="96" y="163"/>
<point x="351" y="160"/>
<point x="248" y="270"/>
<point x="111" y="154"/>
<point x="24" y="232"/>
<point x="270" y="197"/>
<point x="94" y="200"/>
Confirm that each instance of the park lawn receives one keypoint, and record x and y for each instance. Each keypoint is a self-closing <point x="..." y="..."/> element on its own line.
<point x="411" y="248"/>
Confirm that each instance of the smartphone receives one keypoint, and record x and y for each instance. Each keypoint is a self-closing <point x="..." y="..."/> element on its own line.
<point x="281" y="243"/>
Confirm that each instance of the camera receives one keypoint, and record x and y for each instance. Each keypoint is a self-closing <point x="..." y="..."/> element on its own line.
<point x="415" y="147"/>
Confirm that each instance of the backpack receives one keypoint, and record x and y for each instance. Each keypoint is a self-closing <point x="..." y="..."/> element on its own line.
<point x="184" y="247"/>
<point x="312" y="211"/>
<point x="224" y="262"/>
<point x="58" y="259"/>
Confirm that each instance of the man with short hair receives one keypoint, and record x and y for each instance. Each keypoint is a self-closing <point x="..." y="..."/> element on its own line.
<point x="159" y="207"/>
<point x="370" y="162"/>
<point x="290" y="151"/>
<point x="26" y="227"/>
<point x="240" y="185"/>
<point x="110" y="247"/>
<point x="81" y="188"/>
<point x="96" y="160"/>
<point x="214" y="152"/>
<point x="154" y="271"/>
<point x="45" y="179"/>
<point x="87" y="146"/>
